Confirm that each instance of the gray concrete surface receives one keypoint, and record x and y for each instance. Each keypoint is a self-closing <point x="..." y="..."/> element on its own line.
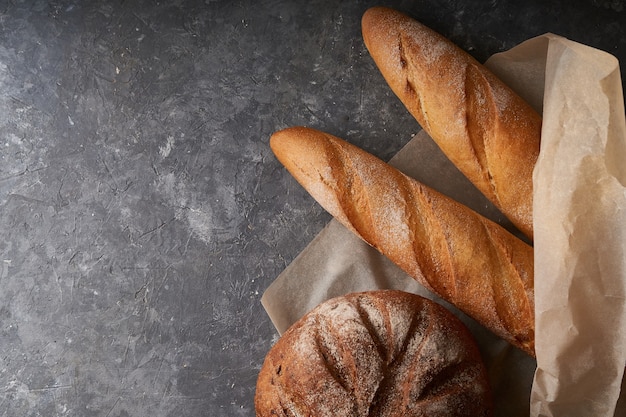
<point x="142" y="213"/>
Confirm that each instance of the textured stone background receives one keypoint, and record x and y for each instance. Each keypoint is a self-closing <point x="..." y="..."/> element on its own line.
<point x="142" y="213"/>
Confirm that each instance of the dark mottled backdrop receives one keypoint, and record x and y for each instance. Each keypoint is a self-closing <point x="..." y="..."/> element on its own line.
<point x="142" y="213"/>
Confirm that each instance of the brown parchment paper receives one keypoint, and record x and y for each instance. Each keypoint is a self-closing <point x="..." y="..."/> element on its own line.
<point x="580" y="223"/>
<point x="336" y="262"/>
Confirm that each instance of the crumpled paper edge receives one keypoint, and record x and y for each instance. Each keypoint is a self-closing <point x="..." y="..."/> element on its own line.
<point x="580" y="230"/>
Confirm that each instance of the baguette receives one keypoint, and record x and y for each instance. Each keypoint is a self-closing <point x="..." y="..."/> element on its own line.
<point x="466" y="259"/>
<point x="490" y="133"/>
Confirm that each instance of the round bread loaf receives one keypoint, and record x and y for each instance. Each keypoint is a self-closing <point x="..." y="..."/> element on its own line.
<point x="375" y="353"/>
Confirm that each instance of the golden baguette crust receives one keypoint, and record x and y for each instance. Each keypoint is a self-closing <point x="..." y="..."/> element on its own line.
<point x="375" y="353"/>
<point x="466" y="259"/>
<point x="489" y="132"/>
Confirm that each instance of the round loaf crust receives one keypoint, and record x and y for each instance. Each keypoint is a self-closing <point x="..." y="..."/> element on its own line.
<point x="375" y="353"/>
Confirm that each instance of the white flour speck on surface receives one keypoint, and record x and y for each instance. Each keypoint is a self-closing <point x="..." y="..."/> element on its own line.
<point x="206" y="218"/>
<point x="165" y="150"/>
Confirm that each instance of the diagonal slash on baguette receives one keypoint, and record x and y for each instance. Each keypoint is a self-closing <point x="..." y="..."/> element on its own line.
<point x="466" y="259"/>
